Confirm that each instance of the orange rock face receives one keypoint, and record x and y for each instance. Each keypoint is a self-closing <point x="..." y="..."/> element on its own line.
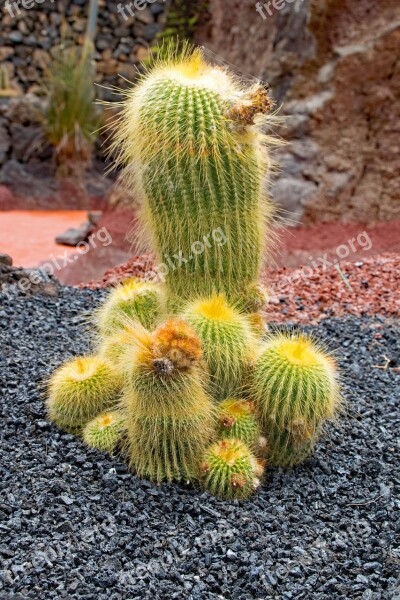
<point x="334" y="65"/>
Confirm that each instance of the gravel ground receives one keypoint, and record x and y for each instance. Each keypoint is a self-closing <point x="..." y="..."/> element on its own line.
<point x="74" y="524"/>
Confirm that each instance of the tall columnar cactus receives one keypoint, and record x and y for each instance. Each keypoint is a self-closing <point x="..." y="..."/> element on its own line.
<point x="80" y="390"/>
<point x="230" y="470"/>
<point x="132" y="300"/>
<point x="296" y="391"/>
<point x="192" y="142"/>
<point x="228" y="342"/>
<point x="170" y="418"/>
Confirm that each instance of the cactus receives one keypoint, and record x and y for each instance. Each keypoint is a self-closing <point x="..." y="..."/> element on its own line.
<point x="196" y="159"/>
<point x="113" y="347"/>
<point x="81" y="389"/>
<point x="237" y="419"/>
<point x="170" y="418"/>
<point x="230" y="470"/>
<point x="176" y="341"/>
<point x="295" y="389"/>
<point x="227" y="339"/>
<point x="254" y="299"/>
<point x="104" y="432"/>
<point x="133" y="299"/>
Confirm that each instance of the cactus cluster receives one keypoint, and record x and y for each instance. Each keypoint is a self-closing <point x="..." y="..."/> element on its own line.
<point x="187" y="383"/>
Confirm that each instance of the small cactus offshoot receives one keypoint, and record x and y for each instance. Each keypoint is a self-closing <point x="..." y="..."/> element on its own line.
<point x="237" y="419"/>
<point x="230" y="470"/>
<point x="104" y="432"/>
<point x="80" y="390"/>
<point x="113" y="347"/>
<point x="296" y="390"/>
<point x="134" y="299"/>
<point x="227" y="340"/>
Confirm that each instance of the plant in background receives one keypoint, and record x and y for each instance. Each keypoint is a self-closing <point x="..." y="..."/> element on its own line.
<point x="183" y="19"/>
<point x="6" y="91"/>
<point x="104" y="432"/>
<point x="296" y="390"/>
<point x="72" y="119"/>
<point x="230" y="470"/>
<point x="81" y="389"/>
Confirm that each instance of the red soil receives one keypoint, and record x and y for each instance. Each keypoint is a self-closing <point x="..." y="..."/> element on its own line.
<point x="370" y="286"/>
<point x="371" y="267"/>
<point x="28" y="236"/>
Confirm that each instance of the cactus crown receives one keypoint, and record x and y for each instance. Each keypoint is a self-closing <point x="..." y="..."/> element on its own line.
<point x="178" y="342"/>
<point x="80" y="389"/>
<point x="139" y="300"/>
<point x="298" y="350"/>
<point x="215" y="308"/>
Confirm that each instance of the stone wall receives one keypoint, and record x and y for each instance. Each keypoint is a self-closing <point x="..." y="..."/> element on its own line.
<point x="27" y="37"/>
<point x="334" y="65"/>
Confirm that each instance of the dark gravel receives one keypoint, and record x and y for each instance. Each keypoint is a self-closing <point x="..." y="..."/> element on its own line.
<point x="74" y="524"/>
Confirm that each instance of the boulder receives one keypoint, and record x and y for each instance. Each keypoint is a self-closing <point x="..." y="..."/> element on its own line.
<point x="74" y="235"/>
<point x="5" y="259"/>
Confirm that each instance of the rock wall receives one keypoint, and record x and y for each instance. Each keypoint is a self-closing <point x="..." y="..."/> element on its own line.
<point x="27" y="37"/>
<point x="334" y="65"/>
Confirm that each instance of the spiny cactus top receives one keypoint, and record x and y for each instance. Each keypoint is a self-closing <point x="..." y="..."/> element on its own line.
<point x="194" y="154"/>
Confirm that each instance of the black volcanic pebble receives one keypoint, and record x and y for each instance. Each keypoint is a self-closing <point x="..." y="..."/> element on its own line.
<point x="75" y="524"/>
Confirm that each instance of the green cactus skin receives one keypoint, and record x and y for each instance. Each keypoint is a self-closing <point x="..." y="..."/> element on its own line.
<point x="104" y="432"/>
<point x="81" y="389"/>
<point x="295" y="389"/>
<point x="228" y="342"/>
<point x="113" y="347"/>
<point x="230" y="470"/>
<point x="237" y="419"/>
<point x="197" y="160"/>
<point x="254" y="299"/>
<point x="132" y="300"/>
<point x="170" y="418"/>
